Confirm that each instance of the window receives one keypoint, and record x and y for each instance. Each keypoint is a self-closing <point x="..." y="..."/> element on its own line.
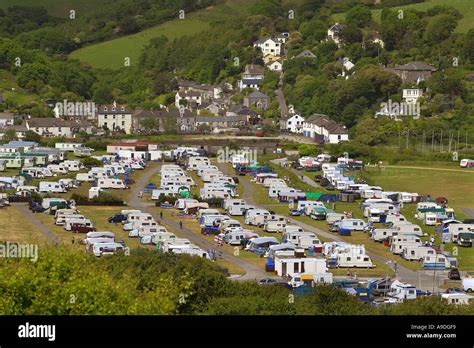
<point x="348" y="259"/>
<point x="105" y="108"/>
<point x="295" y="268"/>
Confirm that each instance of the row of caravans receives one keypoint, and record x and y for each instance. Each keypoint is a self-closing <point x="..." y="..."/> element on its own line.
<point x="142" y="225"/>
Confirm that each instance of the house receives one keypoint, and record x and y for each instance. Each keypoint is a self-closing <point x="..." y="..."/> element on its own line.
<point x="132" y="145"/>
<point x="274" y="66"/>
<point x="221" y="121"/>
<point x="6" y="119"/>
<point x="374" y="37"/>
<point x="324" y="130"/>
<point x="51" y="127"/>
<point x="347" y="66"/>
<point x="269" y="46"/>
<point x="185" y="121"/>
<point x="188" y="97"/>
<point x="140" y="115"/>
<point x="20" y="131"/>
<point x="208" y="93"/>
<point x="213" y="108"/>
<point x="334" y="34"/>
<point x="413" y="72"/>
<point x="270" y="58"/>
<point x="293" y="123"/>
<point x="305" y="54"/>
<point x="258" y="99"/>
<point x="411" y="95"/>
<point x="115" y="118"/>
<point x="252" y="76"/>
<point x="282" y="37"/>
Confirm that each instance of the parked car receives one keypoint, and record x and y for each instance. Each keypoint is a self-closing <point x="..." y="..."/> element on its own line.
<point x="330" y="187"/>
<point x="313" y="169"/>
<point x="36" y="207"/>
<point x="295" y="212"/>
<point x="81" y="228"/>
<point x="318" y="177"/>
<point x="236" y="179"/>
<point x="267" y="281"/>
<point x="324" y="182"/>
<point x="454" y="274"/>
<point x="117" y="218"/>
<point x="454" y="290"/>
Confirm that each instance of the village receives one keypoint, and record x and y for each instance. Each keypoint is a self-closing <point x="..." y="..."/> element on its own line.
<point x="298" y="165"/>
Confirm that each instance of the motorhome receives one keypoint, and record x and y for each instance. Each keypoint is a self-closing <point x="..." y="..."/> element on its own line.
<point x="438" y="261"/>
<point x="51" y="187"/>
<point x="111" y="184"/>
<point x="417" y="253"/>
<point x="402" y="291"/>
<point x="372" y="214"/>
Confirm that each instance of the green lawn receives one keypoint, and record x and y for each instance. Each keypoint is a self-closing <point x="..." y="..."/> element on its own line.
<point x="465" y="7"/>
<point x="17" y="96"/>
<point x="111" y="54"/>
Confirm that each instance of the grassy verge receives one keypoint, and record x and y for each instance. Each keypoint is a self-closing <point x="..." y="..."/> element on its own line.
<point x="15" y="228"/>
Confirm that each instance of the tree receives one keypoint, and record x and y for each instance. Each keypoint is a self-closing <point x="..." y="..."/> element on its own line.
<point x="359" y="16"/>
<point x="32" y="136"/>
<point x="350" y="34"/>
<point x="468" y="45"/>
<point x="149" y="123"/>
<point x="9" y="135"/>
<point x="439" y="29"/>
<point x="268" y="8"/>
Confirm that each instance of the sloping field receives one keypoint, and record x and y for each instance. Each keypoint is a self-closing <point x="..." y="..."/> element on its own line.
<point x="112" y="54"/>
<point x="465" y="7"/>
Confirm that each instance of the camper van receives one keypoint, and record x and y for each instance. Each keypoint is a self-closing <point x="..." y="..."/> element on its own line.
<point x="51" y="187"/>
<point x="417" y="253"/>
<point x="107" y="248"/>
<point x="438" y="261"/>
<point x="71" y="221"/>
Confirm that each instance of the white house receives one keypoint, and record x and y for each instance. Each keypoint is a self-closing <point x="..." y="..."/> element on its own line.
<point x="115" y="117"/>
<point x="347" y="66"/>
<point x="274" y="65"/>
<point x="294" y="123"/>
<point x="334" y="34"/>
<point x="6" y="119"/>
<point x="268" y="46"/>
<point x="191" y="97"/>
<point x="324" y="130"/>
<point x="252" y="76"/>
<point x="411" y="95"/>
<point x="51" y="127"/>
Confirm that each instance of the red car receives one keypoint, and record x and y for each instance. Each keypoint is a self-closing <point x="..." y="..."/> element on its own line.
<point x="82" y="228"/>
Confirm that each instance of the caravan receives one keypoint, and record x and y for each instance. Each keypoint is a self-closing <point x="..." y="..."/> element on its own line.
<point x="51" y="187"/>
<point x="104" y="183"/>
<point x="417" y="253"/>
<point x="236" y="237"/>
<point x="274" y="226"/>
<point x="350" y="259"/>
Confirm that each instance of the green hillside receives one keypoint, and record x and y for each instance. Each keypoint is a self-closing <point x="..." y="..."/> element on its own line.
<point x="466" y="7"/>
<point x="111" y="54"/>
<point x="57" y="8"/>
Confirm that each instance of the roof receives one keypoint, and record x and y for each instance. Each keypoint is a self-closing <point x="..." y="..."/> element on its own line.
<point x="336" y="27"/>
<point x="118" y="109"/>
<point x="324" y="121"/>
<point x="6" y="115"/>
<point x="262" y="40"/>
<point x="252" y="81"/>
<point x="211" y="119"/>
<point x="306" y="54"/>
<point x="54" y="122"/>
<point x="257" y="94"/>
<point x="415" y="66"/>
<point x="254" y="69"/>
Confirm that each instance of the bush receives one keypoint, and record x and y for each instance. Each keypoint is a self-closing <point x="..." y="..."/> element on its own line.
<point x="91" y="162"/>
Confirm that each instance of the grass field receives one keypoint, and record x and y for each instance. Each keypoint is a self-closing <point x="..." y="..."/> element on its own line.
<point x="111" y="54"/>
<point x="17" y="96"/>
<point x="465" y="7"/>
<point x="14" y="228"/>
